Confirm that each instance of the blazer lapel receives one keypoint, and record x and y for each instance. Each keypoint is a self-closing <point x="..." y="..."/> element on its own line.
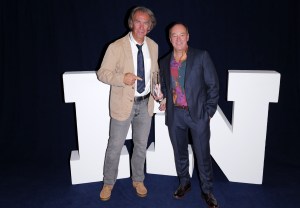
<point x="189" y="61"/>
<point x="151" y="50"/>
<point x="168" y="72"/>
<point x="128" y="52"/>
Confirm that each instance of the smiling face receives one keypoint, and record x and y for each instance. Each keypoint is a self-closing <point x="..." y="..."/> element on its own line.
<point x="179" y="37"/>
<point x="140" y="26"/>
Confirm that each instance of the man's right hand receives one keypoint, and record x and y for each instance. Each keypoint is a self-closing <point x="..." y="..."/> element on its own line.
<point x="130" y="78"/>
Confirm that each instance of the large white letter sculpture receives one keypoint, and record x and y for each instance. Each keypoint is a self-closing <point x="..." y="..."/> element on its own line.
<point x="238" y="148"/>
<point x="92" y="116"/>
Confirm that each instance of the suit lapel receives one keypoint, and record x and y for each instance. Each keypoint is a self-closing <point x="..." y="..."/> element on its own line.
<point x="151" y="50"/>
<point x="128" y="52"/>
<point x="189" y="61"/>
<point x="167" y="68"/>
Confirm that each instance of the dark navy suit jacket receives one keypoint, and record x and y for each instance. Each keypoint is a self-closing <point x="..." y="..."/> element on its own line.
<point x="201" y="84"/>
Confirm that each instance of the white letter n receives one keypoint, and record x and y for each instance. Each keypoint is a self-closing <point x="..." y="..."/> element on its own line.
<point x="239" y="148"/>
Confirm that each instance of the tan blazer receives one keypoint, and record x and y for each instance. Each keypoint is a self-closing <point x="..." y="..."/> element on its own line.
<point x="116" y="63"/>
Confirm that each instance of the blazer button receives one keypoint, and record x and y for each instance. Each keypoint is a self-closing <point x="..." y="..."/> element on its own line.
<point x="132" y="87"/>
<point x="130" y="100"/>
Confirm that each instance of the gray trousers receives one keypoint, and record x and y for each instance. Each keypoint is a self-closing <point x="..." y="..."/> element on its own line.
<point x="141" y="123"/>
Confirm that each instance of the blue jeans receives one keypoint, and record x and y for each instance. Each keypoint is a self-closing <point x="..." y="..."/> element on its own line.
<point x="141" y="123"/>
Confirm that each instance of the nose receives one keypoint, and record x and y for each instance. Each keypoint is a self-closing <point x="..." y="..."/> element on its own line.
<point x="142" y="26"/>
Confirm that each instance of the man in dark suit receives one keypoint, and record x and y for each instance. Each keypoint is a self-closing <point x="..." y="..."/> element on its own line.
<point x="190" y="87"/>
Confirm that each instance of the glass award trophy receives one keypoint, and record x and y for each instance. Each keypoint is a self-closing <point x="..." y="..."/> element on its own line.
<point x="155" y="88"/>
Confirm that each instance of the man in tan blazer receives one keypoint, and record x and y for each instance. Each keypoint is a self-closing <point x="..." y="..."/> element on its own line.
<point x="130" y="101"/>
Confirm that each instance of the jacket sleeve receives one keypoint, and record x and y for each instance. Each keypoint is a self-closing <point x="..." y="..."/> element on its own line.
<point x="109" y="71"/>
<point x="212" y="84"/>
<point x="162" y="74"/>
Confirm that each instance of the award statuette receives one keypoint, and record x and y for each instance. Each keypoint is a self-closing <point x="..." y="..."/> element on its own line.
<point x="155" y="88"/>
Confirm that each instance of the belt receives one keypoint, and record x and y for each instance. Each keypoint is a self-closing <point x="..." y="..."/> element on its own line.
<point x="140" y="98"/>
<point x="181" y="107"/>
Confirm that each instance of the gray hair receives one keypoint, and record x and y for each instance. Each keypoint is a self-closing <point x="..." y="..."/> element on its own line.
<point x="144" y="10"/>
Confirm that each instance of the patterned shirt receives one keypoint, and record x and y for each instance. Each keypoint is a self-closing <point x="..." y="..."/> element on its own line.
<point x="177" y="80"/>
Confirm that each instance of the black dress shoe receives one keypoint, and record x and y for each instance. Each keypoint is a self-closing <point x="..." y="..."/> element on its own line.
<point x="210" y="200"/>
<point x="182" y="190"/>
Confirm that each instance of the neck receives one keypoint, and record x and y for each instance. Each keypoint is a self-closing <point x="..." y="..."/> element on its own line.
<point x="140" y="41"/>
<point x="180" y="55"/>
<point x="180" y="52"/>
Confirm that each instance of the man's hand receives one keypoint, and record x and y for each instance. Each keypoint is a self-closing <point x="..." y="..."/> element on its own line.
<point x="162" y="106"/>
<point x="130" y="78"/>
<point x="156" y="93"/>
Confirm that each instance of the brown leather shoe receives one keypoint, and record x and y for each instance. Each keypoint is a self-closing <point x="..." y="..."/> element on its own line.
<point x="106" y="192"/>
<point x="140" y="188"/>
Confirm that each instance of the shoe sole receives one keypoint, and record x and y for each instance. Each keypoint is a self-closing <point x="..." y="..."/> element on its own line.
<point x="141" y="195"/>
<point x="138" y="194"/>
<point x="104" y="199"/>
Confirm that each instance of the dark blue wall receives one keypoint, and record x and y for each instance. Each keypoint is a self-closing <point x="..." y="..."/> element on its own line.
<point x="40" y="40"/>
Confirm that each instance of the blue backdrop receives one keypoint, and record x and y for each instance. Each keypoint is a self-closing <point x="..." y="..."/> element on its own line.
<point x="40" y="40"/>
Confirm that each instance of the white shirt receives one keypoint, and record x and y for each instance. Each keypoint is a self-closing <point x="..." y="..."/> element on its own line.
<point x="147" y="64"/>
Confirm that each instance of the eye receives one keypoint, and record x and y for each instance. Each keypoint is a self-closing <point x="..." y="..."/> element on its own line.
<point x="136" y="22"/>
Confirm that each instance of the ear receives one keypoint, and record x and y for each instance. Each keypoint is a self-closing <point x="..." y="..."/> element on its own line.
<point x="188" y="37"/>
<point x="130" y="25"/>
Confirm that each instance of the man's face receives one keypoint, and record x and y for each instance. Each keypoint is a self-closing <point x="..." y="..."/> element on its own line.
<point x="179" y="37"/>
<point x="140" y="26"/>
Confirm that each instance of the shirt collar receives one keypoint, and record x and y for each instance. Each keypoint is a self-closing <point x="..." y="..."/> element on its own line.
<point x="133" y="40"/>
